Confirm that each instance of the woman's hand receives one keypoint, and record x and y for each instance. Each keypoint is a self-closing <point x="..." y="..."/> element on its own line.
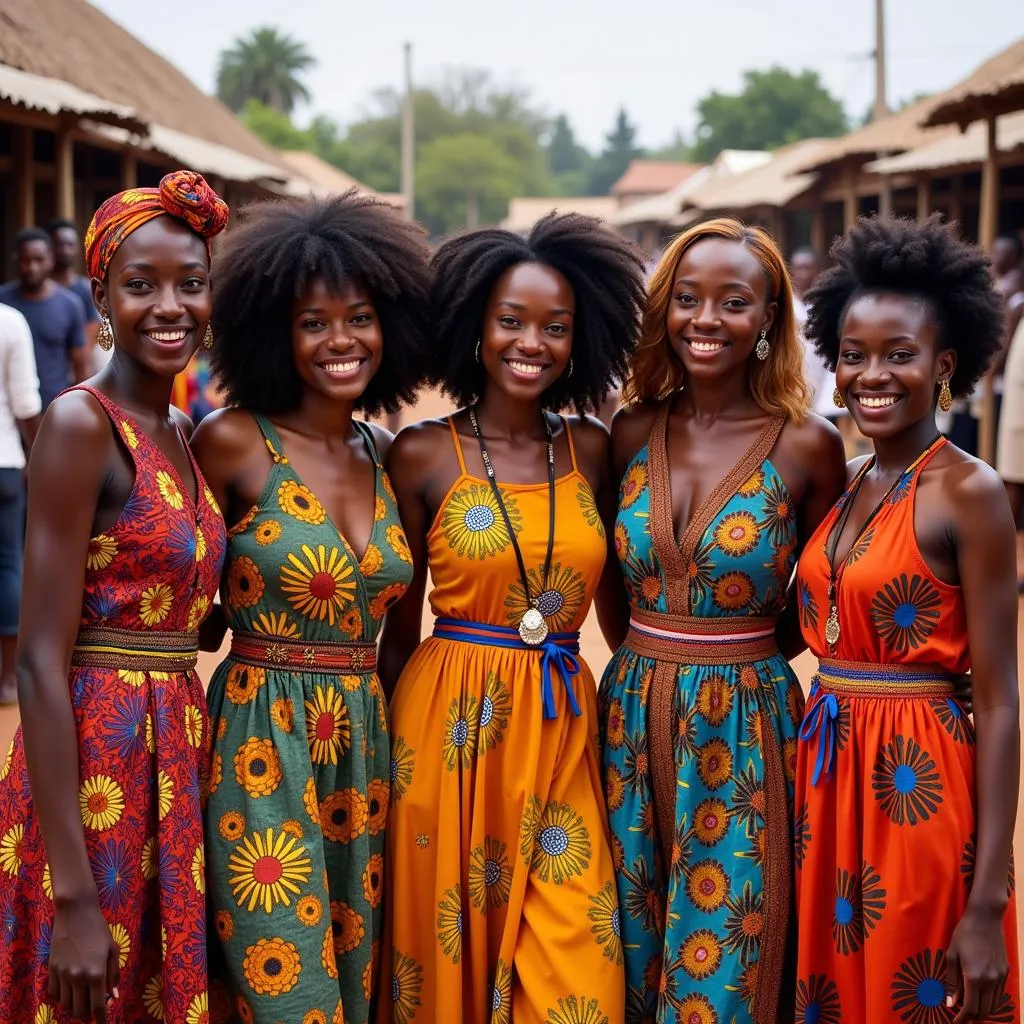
<point x="84" y="965"/>
<point x="976" y="966"/>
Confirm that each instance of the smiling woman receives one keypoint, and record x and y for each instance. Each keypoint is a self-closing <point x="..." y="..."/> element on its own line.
<point x="319" y="314"/>
<point x="123" y="555"/>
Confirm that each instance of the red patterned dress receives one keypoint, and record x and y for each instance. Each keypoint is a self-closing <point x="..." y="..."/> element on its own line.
<point x="143" y="751"/>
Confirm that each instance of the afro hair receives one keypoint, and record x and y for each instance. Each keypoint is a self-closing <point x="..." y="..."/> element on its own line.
<point x="271" y="259"/>
<point x="605" y="272"/>
<point x="926" y="262"/>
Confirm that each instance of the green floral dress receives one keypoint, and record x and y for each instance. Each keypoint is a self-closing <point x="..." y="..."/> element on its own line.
<point x="301" y="763"/>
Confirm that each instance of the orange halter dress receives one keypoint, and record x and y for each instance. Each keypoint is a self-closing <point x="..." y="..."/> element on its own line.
<point x="500" y="888"/>
<point x="885" y="822"/>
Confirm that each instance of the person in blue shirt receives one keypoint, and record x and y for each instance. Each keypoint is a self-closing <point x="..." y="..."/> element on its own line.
<point x="54" y="314"/>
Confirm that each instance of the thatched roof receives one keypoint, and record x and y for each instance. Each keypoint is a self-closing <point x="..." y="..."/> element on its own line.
<point x="955" y="151"/>
<point x="997" y="87"/>
<point x="74" y="42"/>
<point x="525" y="211"/>
<point x="651" y="177"/>
<point x="771" y="184"/>
<point x="320" y="178"/>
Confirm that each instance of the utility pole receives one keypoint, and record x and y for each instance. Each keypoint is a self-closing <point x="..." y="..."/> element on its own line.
<point x="408" y="138"/>
<point x="881" y="106"/>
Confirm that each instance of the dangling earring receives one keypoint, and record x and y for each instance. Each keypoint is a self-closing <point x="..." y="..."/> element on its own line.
<point x="569" y="374"/>
<point x="763" y="348"/>
<point x="208" y="337"/>
<point x="945" y="396"/>
<point x="105" y="335"/>
<point x="478" y="350"/>
<point x="837" y="398"/>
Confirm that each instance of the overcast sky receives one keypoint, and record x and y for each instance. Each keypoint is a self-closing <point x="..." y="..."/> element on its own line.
<point x="586" y="57"/>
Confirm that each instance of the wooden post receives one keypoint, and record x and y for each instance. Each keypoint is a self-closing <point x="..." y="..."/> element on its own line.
<point x="988" y="227"/>
<point x="818" y="241"/>
<point x="885" y="196"/>
<point x="24" y="176"/>
<point x="129" y="170"/>
<point x="924" y="198"/>
<point x="956" y="202"/>
<point x="65" y="172"/>
<point x="851" y="202"/>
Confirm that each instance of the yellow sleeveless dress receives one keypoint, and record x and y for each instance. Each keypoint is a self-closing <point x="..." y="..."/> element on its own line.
<point x="500" y="891"/>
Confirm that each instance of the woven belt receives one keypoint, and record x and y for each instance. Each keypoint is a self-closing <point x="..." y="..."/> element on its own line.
<point x="276" y="652"/>
<point x="701" y="641"/>
<point x="860" y="679"/>
<point x="558" y="654"/>
<point x="102" y="647"/>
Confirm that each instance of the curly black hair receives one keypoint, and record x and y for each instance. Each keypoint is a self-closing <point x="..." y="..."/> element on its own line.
<point x="927" y="262"/>
<point x="271" y="258"/>
<point x="605" y="272"/>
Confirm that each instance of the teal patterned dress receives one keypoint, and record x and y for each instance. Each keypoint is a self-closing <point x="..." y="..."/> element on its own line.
<point x="301" y="767"/>
<point x="699" y="744"/>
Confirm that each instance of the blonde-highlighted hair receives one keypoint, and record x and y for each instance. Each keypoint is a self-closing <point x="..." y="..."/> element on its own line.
<point x="776" y="383"/>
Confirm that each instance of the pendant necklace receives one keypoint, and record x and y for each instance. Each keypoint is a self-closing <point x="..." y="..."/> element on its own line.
<point x="832" y="627"/>
<point x="532" y="626"/>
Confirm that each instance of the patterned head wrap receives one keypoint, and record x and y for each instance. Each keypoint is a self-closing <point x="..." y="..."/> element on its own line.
<point x="184" y="195"/>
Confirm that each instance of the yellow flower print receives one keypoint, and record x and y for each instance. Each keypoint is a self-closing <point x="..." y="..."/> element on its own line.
<point x="310" y="802"/>
<point x="155" y="604"/>
<point x="198" y="612"/>
<point x="123" y="941"/>
<point x="373" y="561"/>
<point x="258" y="767"/>
<point x="10" y="850"/>
<point x="328" y="727"/>
<point x="150" y="860"/>
<point x="101" y="801"/>
<point x="449" y="923"/>
<point x="267" y="532"/>
<point x="210" y="499"/>
<point x="199" y="870"/>
<point x="47" y="883"/>
<point x="276" y="624"/>
<point x="343" y="815"/>
<point x="169" y="490"/>
<point x="633" y="484"/>
<point x="301" y="503"/>
<point x="380" y="509"/>
<point x="5" y="771"/>
<point x="128" y="433"/>
<point x="737" y="534"/>
<point x="165" y="793"/>
<point x="282" y="713"/>
<point x="473" y="525"/>
<point x="133" y="677"/>
<point x="348" y="927"/>
<point x="244" y="682"/>
<point x="231" y="826"/>
<point x="102" y="551"/>
<point x="245" y="584"/>
<point x="200" y="544"/>
<point x="267" y="870"/>
<point x="398" y="542"/>
<point x="244" y="523"/>
<point x="388" y="597"/>
<point x="198" y="1010"/>
<point x="406" y="986"/>
<point x="309" y="910"/>
<point x="351" y="623"/>
<point x="562" y="848"/>
<point x="224" y="925"/>
<point x="272" y="966"/>
<point x="193" y="725"/>
<point x="153" y="996"/>
<point x="320" y="586"/>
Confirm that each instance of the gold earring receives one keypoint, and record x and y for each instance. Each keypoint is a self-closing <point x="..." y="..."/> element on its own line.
<point x="837" y="398"/>
<point x="105" y="335"/>
<point x="945" y="396"/>
<point x="208" y="337"/>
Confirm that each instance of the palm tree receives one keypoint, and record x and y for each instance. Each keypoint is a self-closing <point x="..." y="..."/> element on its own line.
<point x="264" y="67"/>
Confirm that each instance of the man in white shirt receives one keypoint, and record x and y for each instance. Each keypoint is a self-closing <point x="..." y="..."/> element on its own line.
<point x="20" y="408"/>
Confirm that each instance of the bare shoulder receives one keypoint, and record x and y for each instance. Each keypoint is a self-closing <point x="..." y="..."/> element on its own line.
<point x="974" y="489"/>
<point x="183" y="421"/>
<point x="590" y="436"/>
<point x="813" y="438"/>
<point x="74" y="444"/>
<point x="420" y="444"/>
<point x="383" y="439"/>
<point x="227" y="433"/>
<point x="631" y="430"/>
<point x="77" y="420"/>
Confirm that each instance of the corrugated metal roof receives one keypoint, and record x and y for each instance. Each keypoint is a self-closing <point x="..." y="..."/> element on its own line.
<point x="954" y="150"/>
<point x="51" y="95"/>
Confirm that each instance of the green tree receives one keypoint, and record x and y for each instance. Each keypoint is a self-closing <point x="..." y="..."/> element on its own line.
<point x="564" y="153"/>
<point x="677" y="151"/>
<point x="620" y="148"/>
<point x="273" y="127"/>
<point x="265" y="66"/>
<point x="775" y="107"/>
<point x="461" y="178"/>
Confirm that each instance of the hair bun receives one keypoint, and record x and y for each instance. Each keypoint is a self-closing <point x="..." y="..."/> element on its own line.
<point x="188" y="196"/>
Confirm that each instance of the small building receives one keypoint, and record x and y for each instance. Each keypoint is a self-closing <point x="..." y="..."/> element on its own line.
<point x="525" y="211"/>
<point x="646" y="178"/>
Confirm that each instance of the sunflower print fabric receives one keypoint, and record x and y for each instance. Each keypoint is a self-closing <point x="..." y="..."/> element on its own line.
<point x="692" y="928"/>
<point x="295" y="821"/>
<point x="897" y="810"/>
<point x="499" y="888"/>
<point x="143" y="742"/>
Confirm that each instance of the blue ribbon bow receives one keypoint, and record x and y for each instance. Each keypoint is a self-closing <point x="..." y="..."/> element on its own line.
<point x="558" y="654"/>
<point x="821" y="720"/>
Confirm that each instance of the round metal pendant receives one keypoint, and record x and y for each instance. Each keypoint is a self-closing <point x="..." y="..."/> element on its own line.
<point x="532" y="627"/>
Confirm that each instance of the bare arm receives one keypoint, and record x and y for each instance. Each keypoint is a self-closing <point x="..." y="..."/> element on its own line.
<point x="408" y="468"/>
<point x="820" y="449"/>
<point x="984" y="538"/>
<point x="66" y="480"/>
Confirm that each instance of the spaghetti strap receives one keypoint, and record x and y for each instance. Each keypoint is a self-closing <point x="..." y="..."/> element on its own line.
<point x="366" y="432"/>
<point x="271" y="438"/>
<point x="572" y="446"/>
<point x="458" y="445"/>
